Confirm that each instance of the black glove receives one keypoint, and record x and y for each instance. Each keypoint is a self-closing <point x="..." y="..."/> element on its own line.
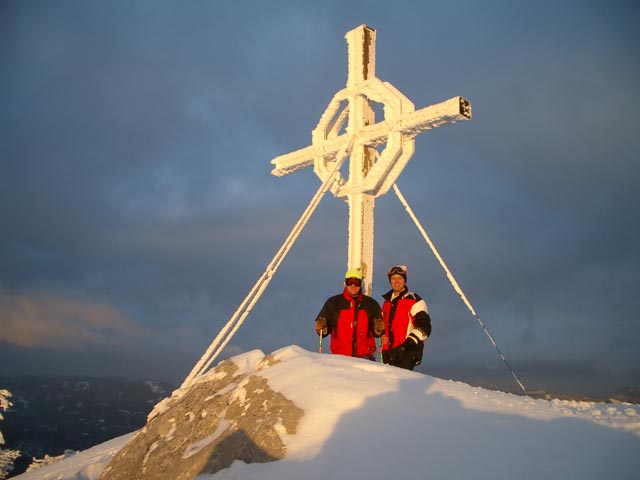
<point x="378" y="327"/>
<point x="410" y="345"/>
<point x="397" y="354"/>
<point x="321" y="326"/>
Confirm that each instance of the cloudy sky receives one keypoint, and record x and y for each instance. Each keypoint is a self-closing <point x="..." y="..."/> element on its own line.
<point x="138" y="209"/>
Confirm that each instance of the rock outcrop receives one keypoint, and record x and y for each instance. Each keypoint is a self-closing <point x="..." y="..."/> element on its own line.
<point x="226" y="415"/>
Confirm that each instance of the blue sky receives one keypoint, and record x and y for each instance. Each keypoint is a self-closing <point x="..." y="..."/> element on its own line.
<point x="138" y="209"/>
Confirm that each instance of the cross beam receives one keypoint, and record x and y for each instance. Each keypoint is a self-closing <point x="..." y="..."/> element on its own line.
<point x="409" y="125"/>
<point x="349" y="120"/>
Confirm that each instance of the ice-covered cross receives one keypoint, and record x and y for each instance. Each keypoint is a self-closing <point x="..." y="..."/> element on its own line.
<point x="378" y="152"/>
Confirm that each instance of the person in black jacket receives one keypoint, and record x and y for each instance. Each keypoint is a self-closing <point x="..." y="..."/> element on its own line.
<point x="352" y="318"/>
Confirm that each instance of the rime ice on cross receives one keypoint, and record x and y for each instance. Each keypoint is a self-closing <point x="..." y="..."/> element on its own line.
<point x="372" y="170"/>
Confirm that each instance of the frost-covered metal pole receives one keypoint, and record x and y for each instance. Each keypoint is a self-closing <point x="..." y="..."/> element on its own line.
<point x="361" y="43"/>
<point x="455" y="285"/>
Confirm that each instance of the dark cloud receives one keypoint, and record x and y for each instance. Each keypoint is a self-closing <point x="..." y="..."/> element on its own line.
<point x="135" y="142"/>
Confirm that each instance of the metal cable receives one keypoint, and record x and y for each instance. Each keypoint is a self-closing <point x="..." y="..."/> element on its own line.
<point x="236" y="320"/>
<point x="455" y="285"/>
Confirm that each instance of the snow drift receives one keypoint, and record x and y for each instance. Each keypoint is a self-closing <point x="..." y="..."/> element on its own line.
<point x="367" y="421"/>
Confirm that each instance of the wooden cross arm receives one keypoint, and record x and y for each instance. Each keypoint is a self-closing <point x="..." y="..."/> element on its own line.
<point x="290" y="162"/>
<point x="409" y="124"/>
<point x="450" y="111"/>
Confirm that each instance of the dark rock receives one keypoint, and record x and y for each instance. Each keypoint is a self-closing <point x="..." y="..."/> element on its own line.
<point x="225" y="416"/>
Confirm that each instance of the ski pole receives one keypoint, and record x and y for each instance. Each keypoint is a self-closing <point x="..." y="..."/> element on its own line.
<point x="320" y="343"/>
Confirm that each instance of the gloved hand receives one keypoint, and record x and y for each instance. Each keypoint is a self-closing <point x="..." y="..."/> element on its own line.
<point x="397" y="354"/>
<point x="321" y="326"/>
<point x="378" y="327"/>
<point x="409" y="345"/>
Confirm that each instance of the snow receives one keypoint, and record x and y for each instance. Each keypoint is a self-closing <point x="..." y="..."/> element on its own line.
<point x="372" y="421"/>
<point x="154" y="387"/>
<point x="86" y="465"/>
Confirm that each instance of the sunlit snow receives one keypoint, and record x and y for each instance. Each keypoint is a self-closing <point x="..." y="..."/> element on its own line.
<point x="369" y="421"/>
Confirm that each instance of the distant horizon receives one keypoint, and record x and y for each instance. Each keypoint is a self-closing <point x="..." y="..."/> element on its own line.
<point x="490" y="379"/>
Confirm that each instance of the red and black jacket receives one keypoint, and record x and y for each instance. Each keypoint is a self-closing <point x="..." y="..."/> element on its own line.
<point x="404" y="314"/>
<point x="350" y="321"/>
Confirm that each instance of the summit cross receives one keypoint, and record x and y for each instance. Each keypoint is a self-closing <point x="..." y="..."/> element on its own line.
<point x="378" y="152"/>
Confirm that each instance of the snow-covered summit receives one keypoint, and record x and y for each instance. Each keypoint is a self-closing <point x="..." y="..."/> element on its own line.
<point x="373" y="421"/>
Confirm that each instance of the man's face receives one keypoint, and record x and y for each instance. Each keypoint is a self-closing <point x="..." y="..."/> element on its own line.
<point x="353" y="290"/>
<point x="397" y="283"/>
<point x="353" y="286"/>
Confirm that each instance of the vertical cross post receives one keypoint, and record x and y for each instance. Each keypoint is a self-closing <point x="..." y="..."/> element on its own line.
<point x="361" y="56"/>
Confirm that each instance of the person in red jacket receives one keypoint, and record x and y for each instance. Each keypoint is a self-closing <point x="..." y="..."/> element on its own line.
<point x="353" y="319"/>
<point x="407" y="323"/>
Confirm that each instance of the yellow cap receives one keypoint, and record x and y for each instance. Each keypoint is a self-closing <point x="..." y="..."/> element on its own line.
<point x="353" y="273"/>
